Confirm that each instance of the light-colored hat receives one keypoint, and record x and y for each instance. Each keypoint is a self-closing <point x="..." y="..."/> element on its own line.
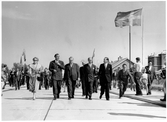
<point x="35" y="59"/>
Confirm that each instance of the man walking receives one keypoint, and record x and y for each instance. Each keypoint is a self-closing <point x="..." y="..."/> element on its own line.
<point x="70" y="76"/>
<point x="95" y="83"/>
<point x="89" y="71"/>
<point x="82" y="78"/>
<point x="137" y="76"/>
<point x="105" y="73"/>
<point x="123" y="76"/>
<point x="56" y="67"/>
<point x="150" y="70"/>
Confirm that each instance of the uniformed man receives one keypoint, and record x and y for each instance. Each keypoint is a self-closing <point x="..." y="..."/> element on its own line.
<point x="123" y="76"/>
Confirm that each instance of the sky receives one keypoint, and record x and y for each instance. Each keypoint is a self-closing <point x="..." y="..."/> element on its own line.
<point x="77" y="28"/>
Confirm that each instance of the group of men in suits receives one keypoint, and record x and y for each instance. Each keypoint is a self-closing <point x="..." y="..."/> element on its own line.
<point x="87" y="74"/>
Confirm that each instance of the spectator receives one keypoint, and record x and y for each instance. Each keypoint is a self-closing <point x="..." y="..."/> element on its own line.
<point x="163" y="75"/>
<point x="144" y="80"/>
<point x="150" y="70"/>
<point x="137" y="76"/>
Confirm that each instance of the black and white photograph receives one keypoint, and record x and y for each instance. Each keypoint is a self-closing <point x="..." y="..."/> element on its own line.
<point x="83" y="60"/>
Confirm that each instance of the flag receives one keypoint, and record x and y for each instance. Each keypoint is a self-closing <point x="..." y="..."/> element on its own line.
<point x="21" y="62"/>
<point x="130" y="18"/>
<point x="24" y="55"/>
<point x="93" y="53"/>
<point x="23" y="58"/>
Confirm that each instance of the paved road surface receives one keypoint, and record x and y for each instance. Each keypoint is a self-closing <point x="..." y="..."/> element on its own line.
<point x="18" y="105"/>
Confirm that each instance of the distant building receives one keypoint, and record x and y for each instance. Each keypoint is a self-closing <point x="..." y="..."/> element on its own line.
<point x="120" y="62"/>
<point x="157" y="61"/>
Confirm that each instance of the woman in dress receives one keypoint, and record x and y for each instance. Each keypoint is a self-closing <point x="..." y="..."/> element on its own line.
<point x="144" y="79"/>
<point x="34" y="70"/>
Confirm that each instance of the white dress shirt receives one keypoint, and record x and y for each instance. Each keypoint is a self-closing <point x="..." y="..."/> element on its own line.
<point x="138" y="67"/>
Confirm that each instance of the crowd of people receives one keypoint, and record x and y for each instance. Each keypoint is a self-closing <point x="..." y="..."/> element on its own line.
<point x="88" y="76"/>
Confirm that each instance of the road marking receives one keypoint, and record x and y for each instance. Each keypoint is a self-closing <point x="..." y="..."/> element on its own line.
<point x="48" y="110"/>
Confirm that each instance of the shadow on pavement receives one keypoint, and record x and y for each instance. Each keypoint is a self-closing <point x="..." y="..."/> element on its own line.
<point x="141" y="104"/>
<point x="138" y="115"/>
<point x="5" y="90"/>
<point x="30" y="98"/>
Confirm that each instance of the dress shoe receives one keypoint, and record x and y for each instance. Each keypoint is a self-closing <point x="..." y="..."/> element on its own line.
<point x="69" y="98"/>
<point x="148" y="93"/>
<point x="108" y="99"/>
<point x="90" y="98"/>
<point x="100" y="97"/>
<point x="139" y="94"/>
<point x="162" y="99"/>
<point x="86" y="97"/>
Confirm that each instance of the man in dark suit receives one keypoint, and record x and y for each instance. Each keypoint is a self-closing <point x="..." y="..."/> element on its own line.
<point x="56" y="67"/>
<point x="150" y="70"/>
<point x="89" y="71"/>
<point x="82" y="78"/>
<point x="105" y="74"/>
<point x="71" y="74"/>
<point x="95" y="83"/>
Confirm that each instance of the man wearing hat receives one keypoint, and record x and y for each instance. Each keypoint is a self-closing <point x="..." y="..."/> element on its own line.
<point x="56" y="67"/>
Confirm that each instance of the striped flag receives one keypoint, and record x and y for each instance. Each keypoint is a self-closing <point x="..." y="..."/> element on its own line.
<point x="130" y="18"/>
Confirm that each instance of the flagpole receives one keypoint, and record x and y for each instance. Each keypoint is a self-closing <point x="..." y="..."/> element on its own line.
<point x="129" y="46"/>
<point x="142" y="37"/>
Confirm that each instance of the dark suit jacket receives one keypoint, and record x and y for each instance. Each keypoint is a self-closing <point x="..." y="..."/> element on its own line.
<point x="58" y="74"/>
<point x="151" y="72"/>
<point x="72" y="72"/>
<point x="123" y="76"/>
<point x="105" y="73"/>
<point x="81" y="70"/>
<point x="89" y="72"/>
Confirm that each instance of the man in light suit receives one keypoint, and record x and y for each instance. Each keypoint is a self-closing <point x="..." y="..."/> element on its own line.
<point x="71" y="74"/>
<point x="150" y="70"/>
<point x="89" y="71"/>
<point x="56" y="67"/>
<point x="105" y="74"/>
